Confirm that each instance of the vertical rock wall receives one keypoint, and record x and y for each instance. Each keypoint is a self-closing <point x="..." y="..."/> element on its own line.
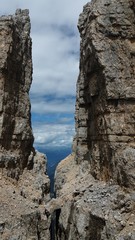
<point x="105" y="106"/>
<point x="95" y="186"/>
<point x="24" y="186"/>
<point x="16" y="138"/>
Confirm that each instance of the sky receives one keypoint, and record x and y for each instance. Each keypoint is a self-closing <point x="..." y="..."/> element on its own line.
<point x="55" y="53"/>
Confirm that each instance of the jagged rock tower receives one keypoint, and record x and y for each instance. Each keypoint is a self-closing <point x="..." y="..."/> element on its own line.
<point x="95" y="186"/>
<point x="16" y="138"/>
<point x="97" y="192"/>
<point x="24" y="187"/>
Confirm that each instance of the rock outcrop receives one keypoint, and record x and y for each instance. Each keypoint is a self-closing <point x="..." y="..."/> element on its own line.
<point x="106" y="91"/>
<point x="16" y="138"/>
<point x="96" y="185"/>
<point x="24" y="187"/>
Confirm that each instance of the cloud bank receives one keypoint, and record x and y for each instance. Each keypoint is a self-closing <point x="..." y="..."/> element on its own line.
<point x="56" y="66"/>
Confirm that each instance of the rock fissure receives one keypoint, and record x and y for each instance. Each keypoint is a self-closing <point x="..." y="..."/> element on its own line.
<point x="95" y="187"/>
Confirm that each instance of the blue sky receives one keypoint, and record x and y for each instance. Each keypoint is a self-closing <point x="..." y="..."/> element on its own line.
<point x="56" y="66"/>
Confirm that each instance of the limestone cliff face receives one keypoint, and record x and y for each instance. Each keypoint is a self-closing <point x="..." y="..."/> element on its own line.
<point x="24" y="187"/>
<point x="96" y="185"/>
<point x="16" y="138"/>
<point x="105" y="104"/>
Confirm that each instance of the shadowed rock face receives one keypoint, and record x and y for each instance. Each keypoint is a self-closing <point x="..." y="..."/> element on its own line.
<point x="24" y="186"/>
<point x="16" y="138"/>
<point x="105" y="103"/>
<point x="95" y="187"/>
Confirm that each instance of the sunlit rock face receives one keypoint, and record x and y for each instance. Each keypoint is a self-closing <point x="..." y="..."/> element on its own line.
<point x="105" y="103"/>
<point x="24" y="186"/>
<point x="16" y="138"/>
<point x="95" y="186"/>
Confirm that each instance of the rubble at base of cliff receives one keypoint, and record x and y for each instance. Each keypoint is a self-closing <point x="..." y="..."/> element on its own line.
<point x="95" y="185"/>
<point x="92" y="209"/>
<point x="22" y="203"/>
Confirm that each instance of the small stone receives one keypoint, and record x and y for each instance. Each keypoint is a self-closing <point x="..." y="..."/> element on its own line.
<point x="123" y="223"/>
<point x="131" y="223"/>
<point x="117" y="218"/>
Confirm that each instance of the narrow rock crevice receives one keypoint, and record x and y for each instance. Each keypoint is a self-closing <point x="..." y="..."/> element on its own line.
<point x="95" y="187"/>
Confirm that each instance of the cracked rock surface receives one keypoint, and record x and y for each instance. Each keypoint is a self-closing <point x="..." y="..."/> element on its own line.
<point x="24" y="186"/>
<point x="91" y="209"/>
<point x="96" y="185"/>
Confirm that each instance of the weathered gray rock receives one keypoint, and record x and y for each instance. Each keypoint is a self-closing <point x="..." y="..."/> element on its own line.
<point x="16" y="138"/>
<point x="89" y="209"/>
<point x="22" y="204"/>
<point x="24" y="186"/>
<point x="106" y="91"/>
<point x="96" y="186"/>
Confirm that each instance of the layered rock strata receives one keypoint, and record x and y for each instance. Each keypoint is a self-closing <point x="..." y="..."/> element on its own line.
<point x="24" y="187"/>
<point x="16" y="138"/>
<point x="96" y="185"/>
<point x="105" y="104"/>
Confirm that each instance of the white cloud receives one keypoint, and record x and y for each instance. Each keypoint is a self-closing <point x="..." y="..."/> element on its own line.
<point x="55" y="135"/>
<point x="56" y="62"/>
<point x="53" y="106"/>
<point x="55" y="67"/>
